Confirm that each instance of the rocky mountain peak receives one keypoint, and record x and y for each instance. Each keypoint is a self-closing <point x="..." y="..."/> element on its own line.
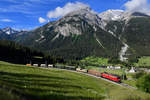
<point x="140" y="14"/>
<point x="86" y="13"/>
<point x="9" y="30"/>
<point x="84" y="33"/>
<point x="117" y="15"/>
<point x="126" y="16"/>
<point x="76" y="22"/>
<point x="111" y="14"/>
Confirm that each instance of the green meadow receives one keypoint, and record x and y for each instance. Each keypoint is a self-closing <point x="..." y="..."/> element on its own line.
<point x="19" y="82"/>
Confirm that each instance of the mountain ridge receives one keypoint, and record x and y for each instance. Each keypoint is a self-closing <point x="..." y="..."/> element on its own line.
<point x="83" y="33"/>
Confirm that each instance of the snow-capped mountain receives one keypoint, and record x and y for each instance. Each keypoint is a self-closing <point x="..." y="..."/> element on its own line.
<point x="84" y="33"/>
<point x="9" y="31"/>
<point x="117" y="15"/>
<point x="76" y="35"/>
<point x="126" y="16"/>
<point x="111" y="15"/>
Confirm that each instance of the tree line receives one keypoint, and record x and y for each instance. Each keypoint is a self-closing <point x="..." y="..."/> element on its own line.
<point x="15" y="53"/>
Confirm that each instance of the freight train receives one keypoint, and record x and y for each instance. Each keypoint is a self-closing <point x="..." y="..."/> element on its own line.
<point x="105" y="75"/>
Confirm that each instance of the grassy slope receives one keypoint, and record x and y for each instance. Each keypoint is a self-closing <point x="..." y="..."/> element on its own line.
<point x="52" y="84"/>
<point x="97" y="61"/>
<point x="7" y="95"/>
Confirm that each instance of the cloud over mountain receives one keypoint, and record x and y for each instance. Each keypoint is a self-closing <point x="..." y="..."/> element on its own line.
<point x="69" y="7"/>
<point x="42" y="20"/>
<point x="138" y="6"/>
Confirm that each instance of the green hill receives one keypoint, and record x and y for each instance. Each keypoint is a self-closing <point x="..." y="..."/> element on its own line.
<point x="52" y="84"/>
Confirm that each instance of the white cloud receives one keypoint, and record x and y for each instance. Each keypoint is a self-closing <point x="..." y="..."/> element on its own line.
<point x="138" y="5"/>
<point x="42" y="20"/>
<point x="6" y="20"/>
<point x="69" y="7"/>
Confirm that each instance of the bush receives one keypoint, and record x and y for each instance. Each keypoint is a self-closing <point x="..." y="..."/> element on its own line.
<point x="114" y="60"/>
<point x="133" y="59"/>
<point x="138" y="74"/>
<point x="124" y="77"/>
<point x="143" y="83"/>
<point x="132" y="98"/>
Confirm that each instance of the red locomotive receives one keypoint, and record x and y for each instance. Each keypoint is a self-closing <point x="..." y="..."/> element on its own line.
<point x="112" y="77"/>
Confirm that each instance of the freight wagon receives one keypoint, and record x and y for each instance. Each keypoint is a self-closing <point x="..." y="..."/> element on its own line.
<point x="94" y="72"/>
<point x="81" y="70"/>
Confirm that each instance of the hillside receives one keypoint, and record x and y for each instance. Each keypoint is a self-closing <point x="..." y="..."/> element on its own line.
<point x="83" y="33"/>
<point x="32" y="83"/>
<point x="132" y="29"/>
<point x="77" y="35"/>
<point x="137" y="35"/>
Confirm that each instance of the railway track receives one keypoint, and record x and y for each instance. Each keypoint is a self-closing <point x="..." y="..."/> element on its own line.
<point x="128" y="86"/>
<point x="119" y="84"/>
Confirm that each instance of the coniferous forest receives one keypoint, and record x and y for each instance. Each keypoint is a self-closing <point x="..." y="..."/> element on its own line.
<point x="15" y="53"/>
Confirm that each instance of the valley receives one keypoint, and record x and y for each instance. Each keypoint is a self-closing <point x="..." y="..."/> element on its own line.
<point x="84" y="29"/>
<point x="78" y="51"/>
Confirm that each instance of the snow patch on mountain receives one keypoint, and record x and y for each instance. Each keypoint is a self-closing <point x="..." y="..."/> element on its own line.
<point x="123" y="51"/>
<point x="9" y="30"/>
<point x="55" y="37"/>
<point x="98" y="41"/>
<point x="117" y="15"/>
<point x="112" y="33"/>
<point x="95" y="29"/>
<point x="111" y="15"/>
<point x="41" y="39"/>
<point x="126" y="16"/>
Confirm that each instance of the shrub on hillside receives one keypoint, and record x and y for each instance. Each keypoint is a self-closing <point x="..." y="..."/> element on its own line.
<point x="138" y="74"/>
<point x="143" y="83"/>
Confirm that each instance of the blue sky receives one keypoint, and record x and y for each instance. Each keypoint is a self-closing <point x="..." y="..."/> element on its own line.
<point x="24" y="14"/>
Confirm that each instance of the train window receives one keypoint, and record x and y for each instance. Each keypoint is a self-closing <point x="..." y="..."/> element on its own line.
<point x="118" y="77"/>
<point x="105" y="72"/>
